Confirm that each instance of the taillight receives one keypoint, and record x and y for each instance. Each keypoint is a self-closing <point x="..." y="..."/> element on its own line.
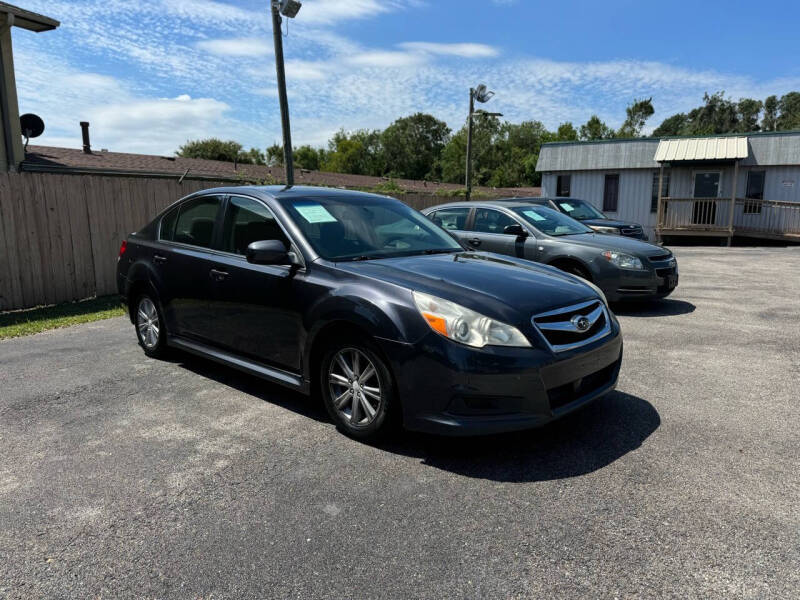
<point x="122" y="248"/>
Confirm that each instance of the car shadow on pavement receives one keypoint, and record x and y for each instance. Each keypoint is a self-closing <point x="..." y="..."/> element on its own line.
<point x="656" y="308"/>
<point x="252" y="385"/>
<point x="580" y="443"/>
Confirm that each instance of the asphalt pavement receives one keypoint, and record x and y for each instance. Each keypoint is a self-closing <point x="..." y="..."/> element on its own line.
<point x="122" y="476"/>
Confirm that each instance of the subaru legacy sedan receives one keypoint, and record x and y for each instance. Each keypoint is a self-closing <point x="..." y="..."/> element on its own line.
<point x="624" y="268"/>
<point x="365" y="302"/>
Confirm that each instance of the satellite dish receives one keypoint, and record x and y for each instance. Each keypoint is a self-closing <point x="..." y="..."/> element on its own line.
<point x="32" y="125"/>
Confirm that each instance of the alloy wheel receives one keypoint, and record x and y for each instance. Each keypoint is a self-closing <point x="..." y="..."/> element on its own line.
<point x="147" y="323"/>
<point x="355" y="387"/>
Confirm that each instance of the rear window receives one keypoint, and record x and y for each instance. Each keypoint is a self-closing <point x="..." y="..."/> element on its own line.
<point x="195" y="224"/>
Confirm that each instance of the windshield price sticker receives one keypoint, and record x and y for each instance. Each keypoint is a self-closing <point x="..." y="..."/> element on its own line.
<point x="315" y="213"/>
<point x="567" y="206"/>
<point x="532" y="214"/>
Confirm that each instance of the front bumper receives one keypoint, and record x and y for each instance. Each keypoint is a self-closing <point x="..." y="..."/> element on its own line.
<point x="656" y="280"/>
<point x="451" y="389"/>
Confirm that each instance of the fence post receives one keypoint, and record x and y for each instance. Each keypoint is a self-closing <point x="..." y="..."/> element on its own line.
<point x="659" y="209"/>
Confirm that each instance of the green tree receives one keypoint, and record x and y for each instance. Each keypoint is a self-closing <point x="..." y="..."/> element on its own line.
<point x="274" y="155"/>
<point x="211" y="149"/>
<point x="770" y="120"/>
<point x="748" y="110"/>
<point x="453" y="160"/>
<point x="358" y="152"/>
<point x="595" y="129"/>
<point x="254" y="156"/>
<point x="789" y="112"/>
<point x="306" y="157"/>
<point x="412" y="145"/>
<point x="566" y="133"/>
<point x="674" y="125"/>
<point x="637" y="114"/>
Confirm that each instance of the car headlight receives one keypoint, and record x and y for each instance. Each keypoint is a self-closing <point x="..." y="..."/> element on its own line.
<point x="622" y="260"/>
<point x="466" y="326"/>
<point x="608" y="230"/>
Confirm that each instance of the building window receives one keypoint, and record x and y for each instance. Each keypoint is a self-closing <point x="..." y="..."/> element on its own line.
<point x="611" y="193"/>
<point x="755" y="191"/>
<point x="664" y="190"/>
<point x="563" y="185"/>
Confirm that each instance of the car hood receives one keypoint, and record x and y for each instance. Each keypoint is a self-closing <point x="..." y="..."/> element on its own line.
<point x="498" y="286"/>
<point x="609" y="223"/>
<point x="614" y="242"/>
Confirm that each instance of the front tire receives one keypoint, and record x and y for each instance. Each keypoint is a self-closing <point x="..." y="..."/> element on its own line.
<point x="149" y="324"/>
<point x="358" y="389"/>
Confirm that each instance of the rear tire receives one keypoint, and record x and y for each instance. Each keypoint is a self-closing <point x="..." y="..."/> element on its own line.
<point x="149" y="324"/>
<point x="358" y="389"/>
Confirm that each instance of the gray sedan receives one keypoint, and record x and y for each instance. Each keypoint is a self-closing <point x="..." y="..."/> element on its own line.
<point x="623" y="268"/>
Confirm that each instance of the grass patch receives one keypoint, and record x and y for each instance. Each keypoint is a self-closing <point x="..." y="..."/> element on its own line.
<point x="34" y="320"/>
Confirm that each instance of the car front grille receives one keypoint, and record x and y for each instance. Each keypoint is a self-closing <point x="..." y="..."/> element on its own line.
<point x="569" y="392"/>
<point x="659" y="257"/>
<point x="573" y="326"/>
<point x="631" y="231"/>
<point x="666" y="272"/>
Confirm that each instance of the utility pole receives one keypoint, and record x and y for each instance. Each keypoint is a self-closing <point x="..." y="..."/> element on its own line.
<point x="284" y="102"/>
<point x="468" y="182"/>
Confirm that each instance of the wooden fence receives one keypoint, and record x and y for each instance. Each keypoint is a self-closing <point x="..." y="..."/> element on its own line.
<point x="60" y="234"/>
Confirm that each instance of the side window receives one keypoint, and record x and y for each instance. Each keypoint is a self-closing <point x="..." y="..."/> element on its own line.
<point x="248" y="221"/>
<point x="488" y="220"/>
<point x="167" y="229"/>
<point x="195" y="225"/>
<point x="451" y="218"/>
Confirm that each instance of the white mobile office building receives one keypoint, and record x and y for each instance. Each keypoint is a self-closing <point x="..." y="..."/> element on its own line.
<point x="698" y="197"/>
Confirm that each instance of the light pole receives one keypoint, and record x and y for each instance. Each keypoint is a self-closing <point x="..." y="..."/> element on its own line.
<point x="482" y="95"/>
<point x="289" y="9"/>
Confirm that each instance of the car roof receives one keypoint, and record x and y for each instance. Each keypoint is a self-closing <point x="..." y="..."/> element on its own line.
<point x="297" y="191"/>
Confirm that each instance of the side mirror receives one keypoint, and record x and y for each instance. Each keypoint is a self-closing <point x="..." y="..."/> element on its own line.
<point x="515" y="229"/>
<point x="268" y="252"/>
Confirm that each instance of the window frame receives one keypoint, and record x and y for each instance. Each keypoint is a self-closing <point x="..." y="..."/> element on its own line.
<point x="214" y="233"/>
<point x="228" y="203"/>
<point x="469" y="209"/>
<point x="654" y="188"/>
<point x="606" y="208"/>
<point x="294" y="247"/>
<point x="753" y="208"/>
<point x="569" y="186"/>
<point x="495" y="209"/>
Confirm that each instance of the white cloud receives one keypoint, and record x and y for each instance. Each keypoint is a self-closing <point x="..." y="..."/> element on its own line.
<point x="380" y="58"/>
<point x="248" y="46"/>
<point x="328" y="12"/>
<point x="306" y="70"/>
<point x="465" y="50"/>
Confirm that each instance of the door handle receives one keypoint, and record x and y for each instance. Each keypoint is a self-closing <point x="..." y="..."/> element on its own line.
<point x="474" y="242"/>
<point x="159" y="259"/>
<point x="218" y="275"/>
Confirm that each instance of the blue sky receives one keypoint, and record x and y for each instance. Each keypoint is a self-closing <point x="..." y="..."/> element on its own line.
<point x="151" y="74"/>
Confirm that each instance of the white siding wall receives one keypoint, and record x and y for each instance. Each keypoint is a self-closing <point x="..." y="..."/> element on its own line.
<point x="635" y="189"/>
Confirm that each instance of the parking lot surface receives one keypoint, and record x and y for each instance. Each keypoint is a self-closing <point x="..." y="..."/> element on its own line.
<point x="122" y="476"/>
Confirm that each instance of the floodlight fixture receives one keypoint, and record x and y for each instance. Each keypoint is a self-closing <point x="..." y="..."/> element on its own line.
<point x="288" y="8"/>
<point x="481" y="94"/>
<point x="483" y="113"/>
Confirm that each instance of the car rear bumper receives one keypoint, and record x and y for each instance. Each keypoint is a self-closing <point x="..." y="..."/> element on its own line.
<point x="447" y="388"/>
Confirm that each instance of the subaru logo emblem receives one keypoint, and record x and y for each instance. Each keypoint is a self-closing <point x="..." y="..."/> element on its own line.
<point x="580" y="322"/>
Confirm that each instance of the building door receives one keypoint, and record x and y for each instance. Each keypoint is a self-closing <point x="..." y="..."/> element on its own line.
<point x="706" y="187"/>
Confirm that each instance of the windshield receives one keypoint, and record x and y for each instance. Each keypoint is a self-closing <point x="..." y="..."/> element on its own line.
<point x="363" y="228"/>
<point x="550" y="221"/>
<point x="579" y="209"/>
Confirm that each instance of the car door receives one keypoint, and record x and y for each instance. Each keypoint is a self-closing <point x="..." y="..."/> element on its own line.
<point x="256" y="310"/>
<point x="183" y="261"/>
<point x="488" y="225"/>
<point x="454" y="219"/>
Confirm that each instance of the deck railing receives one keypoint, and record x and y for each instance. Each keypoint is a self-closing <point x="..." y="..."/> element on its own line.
<point x="713" y="215"/>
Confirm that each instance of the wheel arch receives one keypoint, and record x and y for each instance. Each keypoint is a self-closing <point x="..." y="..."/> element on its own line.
<point x="564" y="262"/>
